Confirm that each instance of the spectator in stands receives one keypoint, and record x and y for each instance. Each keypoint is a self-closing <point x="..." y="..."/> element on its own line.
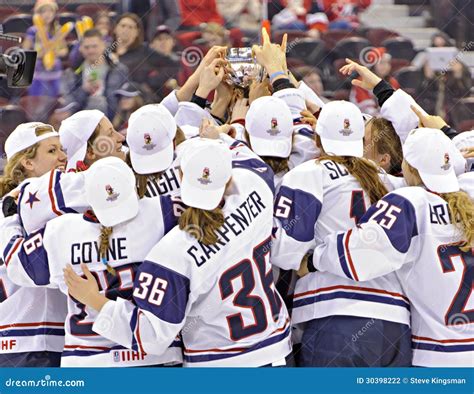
<point x="214" y="34"/>
<point x="130" y="98"/>
<point x="46" y="81"/>
<point x="104" y="24"/>
<point x="93" y="84"/>
<point x="343" y="14"/>
<point x="311" y="76"/>
<point x="195" y="12"/>
<point x="365" y="99"/>
<point x="153" y="13"/>
<point x="244" y="14"/>
<point x="164" y="42"/>
<point x="438" y="40"/>
<point x="303" y="15"/>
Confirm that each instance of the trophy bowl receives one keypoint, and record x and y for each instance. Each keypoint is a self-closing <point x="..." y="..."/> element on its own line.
<point x="244" y="69"/>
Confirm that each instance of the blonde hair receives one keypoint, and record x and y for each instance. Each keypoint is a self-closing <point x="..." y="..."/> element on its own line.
<point x="142" y="179"/>
<point x="14" y="173"/>
<point x="202" y="224"/>
<point x="104" y="237"/>
<point x="461" y="211"/>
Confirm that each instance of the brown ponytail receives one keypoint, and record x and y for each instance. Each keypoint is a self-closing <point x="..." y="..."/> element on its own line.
<point x="105" y="233"/>
<point x="277" y="164"/>
<point x="366" y="173"/>
<point x="202" y="224"/>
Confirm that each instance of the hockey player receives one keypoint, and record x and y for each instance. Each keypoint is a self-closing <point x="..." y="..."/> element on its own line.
<point x="31" y="320"/>
<point x="425" y="233"/>
<point x="210" y="277"/>
<point x="113" y="240"/>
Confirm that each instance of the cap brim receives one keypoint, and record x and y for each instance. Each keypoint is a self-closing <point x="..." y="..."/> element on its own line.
<point x="156" y="162"/>
<point x="78" y="156"/>
<point x="199" y="198"/>
<point x="126" y="93"/>
<point x="275" y="148"/>
<point x="445" y="183"/>
<point x="343" y="148"/>
<point x="127" y="210"/>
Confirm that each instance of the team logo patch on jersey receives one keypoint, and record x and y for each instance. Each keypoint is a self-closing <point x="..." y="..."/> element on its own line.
<point x="346" y="131"/>
<point x="447" y="165"/>
<point x="112" y="195"/>
<point x="204" y="180"/>
<point x="274" y="130"/>
<point x="149" y="145"/>
<point x="116" y="356"/>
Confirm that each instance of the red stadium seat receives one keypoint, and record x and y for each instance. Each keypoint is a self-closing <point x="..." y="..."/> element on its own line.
<point x="311" y="51"/>
<point x="332" y="37"/>
<point x="292" y="35"/>
<point x="350" y="47"/>
<point x="17" y="23"/>
<point x="377" y="35"/>
<point x="400" y="48"/>
<point x="38" y="108"/>
<point x="5" y="12"/>
<point x="90" y="9"/>
<point x="12" y="116"/>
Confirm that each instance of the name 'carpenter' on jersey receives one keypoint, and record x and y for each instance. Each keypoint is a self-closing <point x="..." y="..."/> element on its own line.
<point x="234" y="224"/>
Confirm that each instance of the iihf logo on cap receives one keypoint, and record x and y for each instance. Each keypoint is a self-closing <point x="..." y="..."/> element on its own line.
<point x="204" y="180"/>
<point x="346" y="131"/>
<point x="148" y="142"/>
<point x="446" y="166"/>
<point x="110" y="191"/>
<point x="274" y="130"/>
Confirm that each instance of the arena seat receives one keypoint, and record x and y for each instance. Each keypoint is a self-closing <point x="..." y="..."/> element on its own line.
<point x="17" y="23"/>
<point x="38" y="108"/>
<point x="400" y="48"/>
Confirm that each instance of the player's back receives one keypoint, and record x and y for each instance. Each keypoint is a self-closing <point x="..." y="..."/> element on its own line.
<point x="234" y="316"/>
<point x="438" y="281"/>
<point x="317" y="199"/>
<point x="79" y="239"/>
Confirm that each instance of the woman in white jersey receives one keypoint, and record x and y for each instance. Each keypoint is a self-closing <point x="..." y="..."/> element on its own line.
<point x="31" y="320"/>
<point x="314" y="200"/>
<point x="424" y="232"/>
<point x="211" y="276"/>
<point x="113" y="239"/>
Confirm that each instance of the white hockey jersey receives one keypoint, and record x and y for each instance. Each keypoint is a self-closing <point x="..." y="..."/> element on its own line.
<point x="409" y="231"/>
<point x="51" y="195"/>
<point x="167" y="184"/>
<point x="221" y="296"/>
<point x="42" y="256"/>
<point x="314" y="200"/>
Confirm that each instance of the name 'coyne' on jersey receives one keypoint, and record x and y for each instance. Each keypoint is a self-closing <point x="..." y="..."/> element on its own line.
<point x="88" y="252"/>
<point x="234" y="224"/>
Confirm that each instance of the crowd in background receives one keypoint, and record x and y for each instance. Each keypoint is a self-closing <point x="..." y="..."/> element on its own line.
<point x="139" y="51"/>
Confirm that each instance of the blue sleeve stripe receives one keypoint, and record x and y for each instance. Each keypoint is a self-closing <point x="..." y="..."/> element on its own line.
<point x="342" y="257"/>
<point x="133" y="324"/>
<point x="10" y="244"/>
<point x="141" y="350"/>
<point x="237" y="144"/>
<point x="169" y="219"/>
<point x="258" y="167"/>
<point x="348" y="252"/>
<point x="59" y="195"/>
<point x="306" y="133"/>
<point x="12" y="247"/>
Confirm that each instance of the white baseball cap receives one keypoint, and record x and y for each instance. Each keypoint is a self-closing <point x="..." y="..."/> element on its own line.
<point x="110" y="191"/>
<point x="430" y="151"/>
<point x="191" y="114"/>
<point x="465" y="140"/>
<point x="74" y="133"/>
<point x="150" y="134"/>
<point x="207" y="168"/>
<point x="270" y="126"/>
<point x="341" y="127"/>
<point x="25" y="136"/>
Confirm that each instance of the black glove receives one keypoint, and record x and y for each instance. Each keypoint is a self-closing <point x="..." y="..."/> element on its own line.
<point x="9" y="206"/>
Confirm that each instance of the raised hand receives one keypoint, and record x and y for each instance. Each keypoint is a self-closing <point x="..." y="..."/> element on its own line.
<point x="368" y="79"/>
<point x="270" y="56"/>
<point x="431" y="121"/>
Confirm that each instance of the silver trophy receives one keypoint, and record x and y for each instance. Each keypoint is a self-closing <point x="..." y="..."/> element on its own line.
<point x="244" y="69"/>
